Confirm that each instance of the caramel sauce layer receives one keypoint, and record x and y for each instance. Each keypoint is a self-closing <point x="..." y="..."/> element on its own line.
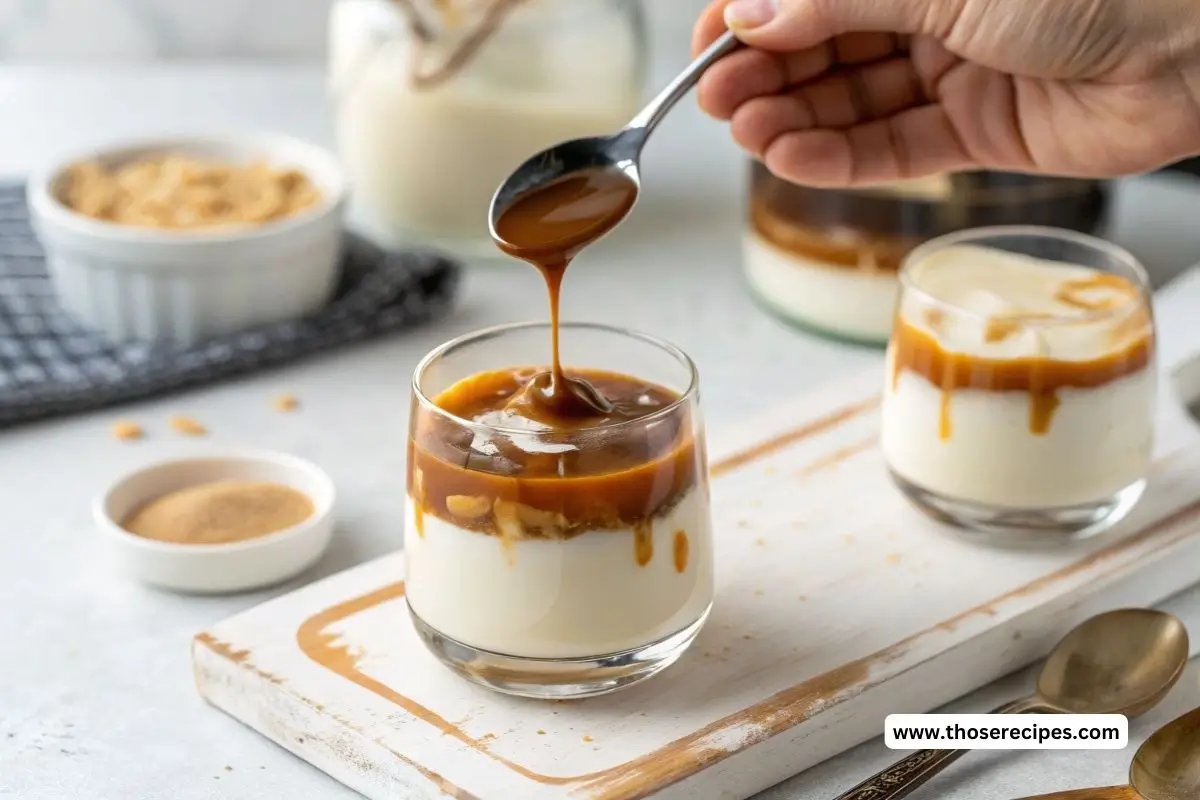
<point x="916" y="349"/>
<point x="617" y="475"/>
<point x="842" y="247"/>
<point x="837" y="247"/>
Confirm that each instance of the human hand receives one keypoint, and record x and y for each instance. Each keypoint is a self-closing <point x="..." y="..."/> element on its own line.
<point x="852" y="92"/>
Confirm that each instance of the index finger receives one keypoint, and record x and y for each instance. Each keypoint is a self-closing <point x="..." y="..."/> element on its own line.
<point x="709" y="26"/>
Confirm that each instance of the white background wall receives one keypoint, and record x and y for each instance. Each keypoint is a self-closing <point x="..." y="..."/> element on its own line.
<point x="105" y="30"/>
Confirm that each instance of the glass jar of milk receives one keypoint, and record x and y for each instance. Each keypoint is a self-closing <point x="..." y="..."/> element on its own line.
<point x="437" y="101"/>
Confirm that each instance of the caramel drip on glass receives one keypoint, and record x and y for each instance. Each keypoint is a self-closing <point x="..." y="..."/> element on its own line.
<point x="680" y="551"/>
<point x="918" y="351"/>
<point x="643" y="542"/>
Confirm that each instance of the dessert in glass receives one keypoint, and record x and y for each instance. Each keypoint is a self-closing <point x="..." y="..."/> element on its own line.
<point x="1021" y="383"/>
<point x="827" y="260"/>
<point x="557" y="550"/>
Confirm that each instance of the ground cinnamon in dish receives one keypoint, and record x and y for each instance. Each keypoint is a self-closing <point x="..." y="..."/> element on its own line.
<point x="220" y="513"/>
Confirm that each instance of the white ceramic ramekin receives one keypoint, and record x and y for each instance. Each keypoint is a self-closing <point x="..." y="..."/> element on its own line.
<point x="133" y="283"/>
<point x="217" y="568"/>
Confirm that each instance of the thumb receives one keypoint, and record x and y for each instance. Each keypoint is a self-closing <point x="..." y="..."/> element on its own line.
<point x="791" y="25"/>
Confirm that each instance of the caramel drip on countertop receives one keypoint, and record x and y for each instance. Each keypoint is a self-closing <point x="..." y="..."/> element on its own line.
<point x="620" y="476"/>
<point x="918" y="351"/>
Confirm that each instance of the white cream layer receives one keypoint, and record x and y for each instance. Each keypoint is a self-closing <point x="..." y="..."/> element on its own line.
<point x="845" y="301"/>
<point x="1100" y="441"/>
<point x="577" y="598"/>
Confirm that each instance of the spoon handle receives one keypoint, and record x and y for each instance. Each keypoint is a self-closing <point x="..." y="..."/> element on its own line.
<point x="1104" y="793"/>
<point x="656" y="109"/>
<point x="912" y="771"/>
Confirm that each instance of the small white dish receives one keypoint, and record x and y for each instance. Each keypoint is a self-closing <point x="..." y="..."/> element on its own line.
<point x="140" y="283"/>
<point x="218" y="568"/>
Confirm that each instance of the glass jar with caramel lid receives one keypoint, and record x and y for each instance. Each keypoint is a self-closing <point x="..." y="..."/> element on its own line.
<point x="827" y="260"/>
<point x="437" y="101"/>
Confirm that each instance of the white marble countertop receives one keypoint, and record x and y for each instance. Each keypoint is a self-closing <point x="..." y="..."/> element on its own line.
<point x="96" y="700"/>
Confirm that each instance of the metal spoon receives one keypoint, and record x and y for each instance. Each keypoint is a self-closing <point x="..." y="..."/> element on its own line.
<point x="620" y="150"/>
<point x="1165" y="767"/>
<point x="1120" y="662"/>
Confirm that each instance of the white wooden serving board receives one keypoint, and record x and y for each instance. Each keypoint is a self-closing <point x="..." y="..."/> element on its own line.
<point x="837" y="604"/>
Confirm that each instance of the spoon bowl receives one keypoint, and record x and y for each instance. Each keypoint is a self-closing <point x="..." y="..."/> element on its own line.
<point x="1119" y="662"/>
<point x="617" y="151"/>
<point x="1167" y="765"/>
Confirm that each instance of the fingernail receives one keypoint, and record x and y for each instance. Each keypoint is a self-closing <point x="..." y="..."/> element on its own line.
<point x="745" y="14"/>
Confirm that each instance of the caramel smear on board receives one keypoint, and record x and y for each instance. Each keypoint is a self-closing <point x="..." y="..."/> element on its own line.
<point x="220" y="513"/>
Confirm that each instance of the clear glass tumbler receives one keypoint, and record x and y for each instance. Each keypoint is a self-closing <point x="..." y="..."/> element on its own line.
<point x="557" y="563"/>
<point x="1021" y="383"/>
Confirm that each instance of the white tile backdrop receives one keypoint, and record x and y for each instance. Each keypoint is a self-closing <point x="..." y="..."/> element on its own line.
<point x="106" y="30"/>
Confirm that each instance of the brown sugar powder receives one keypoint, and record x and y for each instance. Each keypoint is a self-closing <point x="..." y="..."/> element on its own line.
<point x="220" y="513"/>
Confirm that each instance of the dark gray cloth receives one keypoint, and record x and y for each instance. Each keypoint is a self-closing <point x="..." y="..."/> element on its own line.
<point x="50" y="366"/>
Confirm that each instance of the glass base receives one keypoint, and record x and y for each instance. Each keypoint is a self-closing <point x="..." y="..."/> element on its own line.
<point x="557" y="678"/>
<point x="996" y="525"/>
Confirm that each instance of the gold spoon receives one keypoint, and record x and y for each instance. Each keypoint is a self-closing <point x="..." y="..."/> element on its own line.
<point x="1165" y="767"/>
<point x="1120" y="662"/>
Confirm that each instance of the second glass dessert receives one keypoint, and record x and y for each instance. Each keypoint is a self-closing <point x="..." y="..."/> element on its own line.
<point x="557" y="561"/>
<point x="1021" y="387"/>
<point x="827" y="259"/>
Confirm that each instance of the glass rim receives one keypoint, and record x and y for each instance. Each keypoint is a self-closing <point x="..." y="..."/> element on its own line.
<point x="687" y="397"/>
<point x="970" y="235"/>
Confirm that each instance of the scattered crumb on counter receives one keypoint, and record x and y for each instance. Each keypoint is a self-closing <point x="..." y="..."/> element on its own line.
<point x="228" y="768"/>
<point x="587" y="738"/>
<point x="758" y="591"/>
<point x="760" y="541"/>
<point x="127" y="430"/>
<point x="803" y="598"/>
<point x="743" y="524"/>
<point x="541" y="732"/>
<point x="286" y="402"/>
<point x="1016" y="636"/>
<point x="186" y="425"/>
<point x="893" y="558"/>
